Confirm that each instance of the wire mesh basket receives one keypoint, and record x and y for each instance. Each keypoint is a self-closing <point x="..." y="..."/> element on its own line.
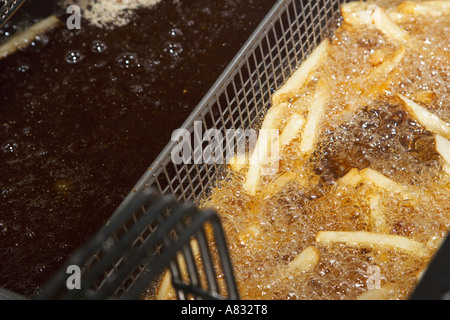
<point x="241" y="96"/>
<point x="8" y="8"/>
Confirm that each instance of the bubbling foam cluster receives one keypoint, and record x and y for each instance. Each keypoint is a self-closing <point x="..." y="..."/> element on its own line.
<point x="365" y="126"/>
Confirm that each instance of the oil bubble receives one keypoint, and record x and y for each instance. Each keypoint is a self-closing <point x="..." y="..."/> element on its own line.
<point x="23" y="68"/>
<point x="175" y="32"/>
<point x="174" y="49"/>
<point x="127" y="60"/>
<point x="3" y="228"/>
<point x="98" y="46"/>
<point x="73" y="56"/>
<point x="38" y="43"/>
<point x="10" y="147"/>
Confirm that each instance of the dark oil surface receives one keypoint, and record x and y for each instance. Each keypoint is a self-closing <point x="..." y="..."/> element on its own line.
<point x="83" y="113"/>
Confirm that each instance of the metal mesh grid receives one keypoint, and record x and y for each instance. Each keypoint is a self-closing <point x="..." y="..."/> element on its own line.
<point x="241" y="96"/>
<point x="8" y="8"/>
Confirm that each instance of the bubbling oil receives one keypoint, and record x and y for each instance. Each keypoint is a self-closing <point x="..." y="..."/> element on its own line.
<point x="364" y="126"/>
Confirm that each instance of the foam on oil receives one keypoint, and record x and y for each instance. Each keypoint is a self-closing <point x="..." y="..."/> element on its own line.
<point x="365" y="126"/>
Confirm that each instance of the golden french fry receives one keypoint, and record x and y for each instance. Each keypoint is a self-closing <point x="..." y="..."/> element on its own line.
<point x="247" y="234"/>
<point x="373" y="239"/>
<point x="367" y="175"/>
<point x="263" y="144"/>
<point x="443" y="148"/>
<point x="22" y="39"/>
<point x="278" y="184"/>
<point x="352" y="178"/>
<point x="292" y="129"/>
<point x="384" y="293"/>
<point x="358" y="12"/>
<point x="165" y="289"/>
<point x="381" y="181"/>
<point x="279" y="106"/>
<point x="426" y="118"/>
<point x="315" y="113"/>
<point x="428" y="8"/>
<point x="370" y="14"/>
<point x="309" y="135"/>
<point x="425" y="97"/>
<point x="388" y="64"/>
<point x="376" y="212"/>
<point x="238" y="163"/>
<point x="305" y="261"/>
<point x="299" y="78"/>
<point x="378" y="56"/>
<point x="391" y="30"/>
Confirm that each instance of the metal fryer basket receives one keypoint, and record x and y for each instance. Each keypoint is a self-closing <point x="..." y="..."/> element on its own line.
<point x="242" y="94"/>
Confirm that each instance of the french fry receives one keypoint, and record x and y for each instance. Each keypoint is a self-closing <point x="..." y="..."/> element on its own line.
<point x="305" y="261"/>
<point x="391" y="30"/>
<point x="443" y="148"/>
<point x="279" y="105"/>
<point x="384" y="293"/>
<point x="370" y="14"/>
<point x="426" y="118"/>
<point x="367" y="175"/>
<point x="315" y="113"/>
<point x="352" y="178"/>
<point x="292" y="129"/>
<point x="388" y="64"/>
<point x="299" y="78"/>
<point x="358" y="12"/>
<point x="381" y="181"/>
<point x="165" y="289"/>
<point x="373" y="239"/>
<point x="378" y="56"/>
<point x="260" y="152"/>
<point x="23" y="39"/>
<point x="380" y="77"/>
<point x="278" y="184"/>
<point x="384" y="20"/>
<point x="425" y="97"/>
<point x="247" y="234"/>
<point x="428" y="8"/>
<point x="238" y="163"/>
<point x="376" y="212"/>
